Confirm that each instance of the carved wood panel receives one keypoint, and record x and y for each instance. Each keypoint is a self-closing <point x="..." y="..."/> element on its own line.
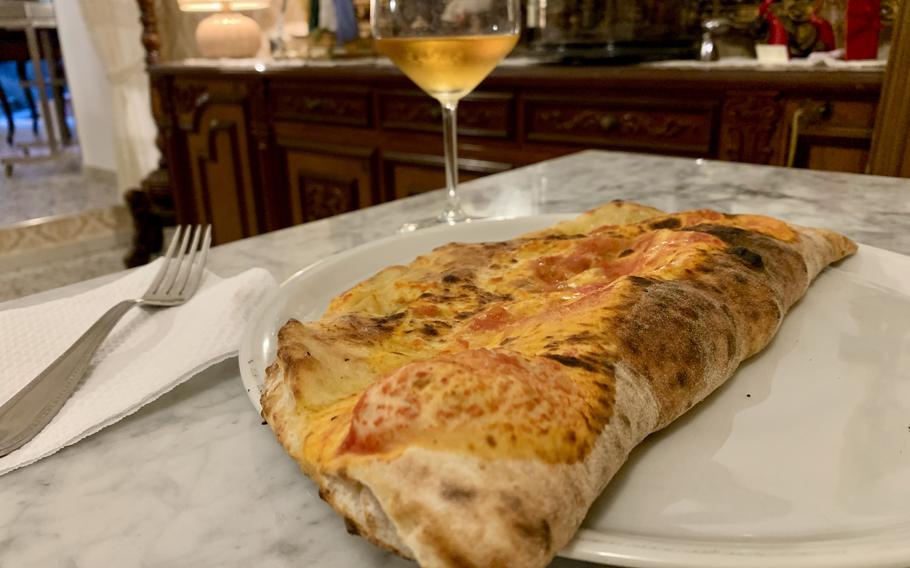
<point x="752" y="131"/>
<point x="489" y="115"/>
<point x="330" y="107"/>
<point x="325" y="181"/>
<point x="654" y="125"/>
<point x="222" y="175"/>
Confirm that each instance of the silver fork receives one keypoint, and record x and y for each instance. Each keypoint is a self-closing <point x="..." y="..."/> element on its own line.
<point x="30" y="410"/>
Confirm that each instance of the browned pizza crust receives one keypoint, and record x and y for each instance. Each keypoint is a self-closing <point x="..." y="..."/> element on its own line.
<point x="649" y="347"/>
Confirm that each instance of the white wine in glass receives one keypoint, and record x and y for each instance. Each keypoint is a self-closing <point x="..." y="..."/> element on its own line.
<point x="446" y="47"/>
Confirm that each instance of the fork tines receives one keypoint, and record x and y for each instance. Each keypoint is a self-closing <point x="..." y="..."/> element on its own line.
<point x="181" y="273"/>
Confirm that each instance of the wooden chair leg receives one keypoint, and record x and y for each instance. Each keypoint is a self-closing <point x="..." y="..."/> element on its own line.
<point x="65" y="135"/>
<point x="8" y="113"/>
<point x="29" y="99"/>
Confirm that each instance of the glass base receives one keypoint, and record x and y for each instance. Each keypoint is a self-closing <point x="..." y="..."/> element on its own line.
<point x="446" y="218"/>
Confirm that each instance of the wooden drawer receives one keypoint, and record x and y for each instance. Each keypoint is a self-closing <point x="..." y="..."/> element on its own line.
<point x="827" y="134"/>
<point x="664" y="125"/>
<point x="336" y="106"/>
<point x="488" y="115"/>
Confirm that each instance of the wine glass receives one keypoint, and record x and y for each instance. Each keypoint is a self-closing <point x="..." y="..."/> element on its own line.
<point x="446" y="47"/>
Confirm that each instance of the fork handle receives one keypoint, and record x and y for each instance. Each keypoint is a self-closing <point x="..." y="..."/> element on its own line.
<point x="30" y="410"/>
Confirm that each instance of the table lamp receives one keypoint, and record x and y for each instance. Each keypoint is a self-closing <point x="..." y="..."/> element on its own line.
<point x="226" y="33"/>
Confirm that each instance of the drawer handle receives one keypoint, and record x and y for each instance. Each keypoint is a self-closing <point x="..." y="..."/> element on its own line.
<point x="809" y="113"/>
<point x="312" y="104"/>
<point x="217" y="124"/>
<point x="608" y="122"/>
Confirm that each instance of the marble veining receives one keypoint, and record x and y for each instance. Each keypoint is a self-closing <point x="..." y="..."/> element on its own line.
<point x="195" y="479"/>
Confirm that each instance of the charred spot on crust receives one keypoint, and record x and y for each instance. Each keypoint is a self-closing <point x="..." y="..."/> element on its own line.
<point x="451" y="278"/>
<point x="351" y="527"/>
<point x="491" y="441"/>
<point x="682" y="378"/>
<point x="539" y="532"/>
<point x="687" y="312"/>
<point x="429" y="330"/>
<point x="570" y="361"/>
<point x="668" y="223"/>
<point x="641" y="281"/>
<point x="751" y="258"/>
<point x="584" y="336"/>
<point x="423" y="379"/>
<point x="626" y="252"/>
<point x="560" y="237"/>
<point x="448" y="551"/>
<point x="733" y="236"/>
<point x="456" y="493"/>
<point x="382" y="324"/>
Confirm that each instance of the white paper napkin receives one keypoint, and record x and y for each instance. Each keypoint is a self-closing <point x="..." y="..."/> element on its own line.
<point x="148" y="353"/>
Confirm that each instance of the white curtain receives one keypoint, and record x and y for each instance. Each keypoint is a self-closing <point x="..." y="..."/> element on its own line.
<point x="117" y="36"/>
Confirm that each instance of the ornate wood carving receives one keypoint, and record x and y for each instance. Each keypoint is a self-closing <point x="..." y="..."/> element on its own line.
<point x="323" y="197"/>
<point x="337" y="108"/>
<point x="151" y="39"/>
<point x="327" y="180"/>
<point x="626" y="123"/>
<point x="152" y="204"/>
<point x="488" y="118"/>
<point x="665" y="126"/>
<point x="751" y="123"/>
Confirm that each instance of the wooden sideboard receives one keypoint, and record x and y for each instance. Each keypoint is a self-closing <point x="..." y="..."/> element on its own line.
<point x="252" y="151"/>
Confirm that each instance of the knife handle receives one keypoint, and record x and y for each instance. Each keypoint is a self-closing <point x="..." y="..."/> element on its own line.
<point x="30" y="409"/>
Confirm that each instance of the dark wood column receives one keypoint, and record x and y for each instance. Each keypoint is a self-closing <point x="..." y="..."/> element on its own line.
<point x="152" y="204"/>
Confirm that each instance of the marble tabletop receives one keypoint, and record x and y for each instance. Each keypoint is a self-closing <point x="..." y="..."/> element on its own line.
<point x="196" y="479"/>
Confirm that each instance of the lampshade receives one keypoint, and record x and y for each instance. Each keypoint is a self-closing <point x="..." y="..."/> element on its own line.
<point x="215" y="6"/>
<point x="226" y="33"/>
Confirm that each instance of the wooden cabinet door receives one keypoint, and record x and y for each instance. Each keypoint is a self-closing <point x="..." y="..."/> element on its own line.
<point x="325" y="180"/>
<point x="213" y="169"/>
<point x="407" y="174"/>
<point x="221" y="174"/>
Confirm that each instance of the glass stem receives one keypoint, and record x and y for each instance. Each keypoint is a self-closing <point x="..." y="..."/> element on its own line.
<point x="453" y="211"/>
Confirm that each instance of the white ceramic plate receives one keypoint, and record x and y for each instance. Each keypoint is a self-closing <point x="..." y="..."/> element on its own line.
<point x="802" y="459"/>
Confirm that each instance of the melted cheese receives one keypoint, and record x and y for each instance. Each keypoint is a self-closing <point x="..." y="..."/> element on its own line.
<point x="493" y="349"/>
